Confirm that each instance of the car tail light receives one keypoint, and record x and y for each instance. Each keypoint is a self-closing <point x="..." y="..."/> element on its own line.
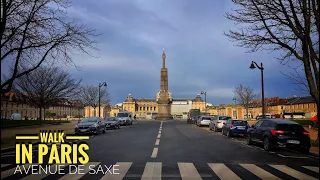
<point x="218" y="122"/>
<point x="306" y="133"/>
<point x="275" y="132"/>
<point x="232" y="126"/>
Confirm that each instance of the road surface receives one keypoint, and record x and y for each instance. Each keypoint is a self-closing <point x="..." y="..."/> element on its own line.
<point x="176" y="150"/>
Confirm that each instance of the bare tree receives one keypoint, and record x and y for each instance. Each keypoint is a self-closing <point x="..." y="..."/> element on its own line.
<point x="244" y="95"/>
<point x="37" y="31"/>
<point x="289" y="26"/>
<point x="46" y="86"/>
<point x="90" y="96"/>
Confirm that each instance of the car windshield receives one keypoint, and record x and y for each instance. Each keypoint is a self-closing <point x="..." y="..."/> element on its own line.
<point x="89" y="120"/>
<point x="242" y="123"/>
<point x="224" y="118"/>
<point x="206" y="118"/>
<point x="122" y="115"/>
<point x="111" y="119"/>
<point x="290" y="127"/>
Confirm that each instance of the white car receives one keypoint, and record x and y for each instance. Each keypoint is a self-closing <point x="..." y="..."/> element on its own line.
<point x="203" y="121"/>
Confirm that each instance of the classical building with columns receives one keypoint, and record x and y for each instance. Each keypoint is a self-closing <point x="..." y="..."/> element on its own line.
<point x="144" y="108"/>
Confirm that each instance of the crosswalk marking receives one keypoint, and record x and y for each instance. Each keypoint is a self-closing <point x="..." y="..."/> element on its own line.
<point x="78" y="175"/>
<point x="261" y="173"/>
<point x="292" y="172"/>
<point x="5" y="165"/>
<point x="312" y="168"/>
<point x="123" y="169"/>
<point x="43" y="174"/>
<point x="152" y="171"/>
<point x="157" y="142"/>
<point x="159" y="135"/>
<point x="223" y="172"/>
<point x="188" y="171"/>
<point x="11" y="171"/>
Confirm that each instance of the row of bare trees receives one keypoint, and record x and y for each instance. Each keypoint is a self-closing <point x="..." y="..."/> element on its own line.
<point x="49" y="86"/>
<point x="244" y="96"/>
<point x="290" y="27"/>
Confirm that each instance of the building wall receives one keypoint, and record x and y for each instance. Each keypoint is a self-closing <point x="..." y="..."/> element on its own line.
<point x="180" y="107"/>
<point x="144" y="108"/>
<point x="94" y="112"/>
<point x="33" y="112"/>
<point x="199" y="105"/>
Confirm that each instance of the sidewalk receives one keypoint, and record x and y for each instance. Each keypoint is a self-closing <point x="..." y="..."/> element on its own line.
<point x="313" y="136"/>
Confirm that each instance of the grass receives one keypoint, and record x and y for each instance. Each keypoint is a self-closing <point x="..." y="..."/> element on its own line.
<point x="18" y="123"/>
<point x="8" y="134"/>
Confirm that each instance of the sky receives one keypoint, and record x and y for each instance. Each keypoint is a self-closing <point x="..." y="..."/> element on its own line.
<point x="199" y="56"/>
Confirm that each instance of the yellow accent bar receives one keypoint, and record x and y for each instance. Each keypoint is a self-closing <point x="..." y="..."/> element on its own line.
<point x="77" y="137"/>
<point x="27" y="137"/>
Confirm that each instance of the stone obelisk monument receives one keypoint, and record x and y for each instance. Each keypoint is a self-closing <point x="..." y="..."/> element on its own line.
<point x="164" y="98"/>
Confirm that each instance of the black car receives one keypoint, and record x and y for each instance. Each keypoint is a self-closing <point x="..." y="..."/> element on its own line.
<point x="90" y="125"/>
<point x="192" y="114"/>
<point x="112" y="123"/>
<point x="279" y="133"/>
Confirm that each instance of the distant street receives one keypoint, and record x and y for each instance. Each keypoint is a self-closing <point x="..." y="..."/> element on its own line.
<point x="177" y="150"/>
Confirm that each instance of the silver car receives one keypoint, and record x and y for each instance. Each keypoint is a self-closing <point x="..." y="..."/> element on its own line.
<point x="90" y="125"/>
<point x="217" y="122"/>
<point x="203" y="121"/>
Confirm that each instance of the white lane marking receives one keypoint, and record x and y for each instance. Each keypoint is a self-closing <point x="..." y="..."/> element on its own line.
<point x="159" y="131"/>
<point x="159" y="135"/>
<point x="157" y="142"/>
<point x="291" y="172"/>
<point x="188" y="171"/>
<point x="312" y="168"/>
<point x="41" y="174"/>
<point x="11" y="171"/>
<point x="291" y="156"/>
<point x="223" y="172"/>
<point x="122" y="169"/>
<point x="84" y="170"/>
<point x="154" y="152"/>
<point x="152" y="171"/>
<point x="5" y="165"/>
<point x="261" y="173"/>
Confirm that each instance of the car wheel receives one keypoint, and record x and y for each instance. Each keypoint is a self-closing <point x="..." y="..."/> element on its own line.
<point x="266" y="144"/>
<point x="249" y="139"/>
<point x="228" y="134"/>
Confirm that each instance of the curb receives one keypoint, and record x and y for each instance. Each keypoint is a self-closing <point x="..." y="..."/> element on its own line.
<point x="313" y="155"/>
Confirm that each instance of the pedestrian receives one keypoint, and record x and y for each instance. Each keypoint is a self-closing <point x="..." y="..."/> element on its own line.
<point x="134" y="117"/>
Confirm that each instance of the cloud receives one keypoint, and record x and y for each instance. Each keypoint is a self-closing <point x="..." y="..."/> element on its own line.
<point x="199" y="56"/>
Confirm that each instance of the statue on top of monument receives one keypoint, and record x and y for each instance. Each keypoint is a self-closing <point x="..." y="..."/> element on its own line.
<point x="163" y="59"/>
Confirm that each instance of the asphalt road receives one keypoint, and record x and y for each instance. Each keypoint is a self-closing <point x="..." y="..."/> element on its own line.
<point x="176" y="150"/>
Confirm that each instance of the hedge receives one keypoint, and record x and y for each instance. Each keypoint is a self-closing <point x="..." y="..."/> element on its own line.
<point x="17" y="123"/>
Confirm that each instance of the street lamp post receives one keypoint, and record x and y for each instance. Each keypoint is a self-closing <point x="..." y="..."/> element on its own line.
<point x="253" y="66"/>
<point x="100" y="85"/>
<point x="205" y="100"/>
<point x="235" y="103"/>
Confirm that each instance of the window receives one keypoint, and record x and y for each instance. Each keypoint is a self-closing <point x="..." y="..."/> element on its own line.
<point x="234" y="113"/>
<point x="258" y="124"/>
<point x="265" y="124"/>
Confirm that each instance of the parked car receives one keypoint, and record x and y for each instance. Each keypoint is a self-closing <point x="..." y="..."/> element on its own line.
<point x="195" y="119"/>
<point x="125" y="118"/>
<point x="279" y="133"/>
<point x="90" y="125"/>
<point x="235" y="127"/>
<point x="217" y="122"/>
<point x="192" y="114"/>
<point x="112" y="123"/>
<point x="203" y="121"/>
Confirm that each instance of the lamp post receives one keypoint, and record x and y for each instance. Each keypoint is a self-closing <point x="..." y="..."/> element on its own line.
<point x="253" y="66"/>
<point x="100" y="85"/>
<point x="205" y="100"/>
<point x="235" y="103"/>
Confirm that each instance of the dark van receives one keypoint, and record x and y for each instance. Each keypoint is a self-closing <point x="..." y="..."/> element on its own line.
<point x="192" y="114"/>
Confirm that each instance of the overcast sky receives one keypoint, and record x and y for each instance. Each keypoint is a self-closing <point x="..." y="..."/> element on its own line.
<point x="199" y="56"/>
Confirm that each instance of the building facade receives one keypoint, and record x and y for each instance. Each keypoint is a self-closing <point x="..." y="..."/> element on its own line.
<point x="14" y="103"/>
<point x="144" y="108"/>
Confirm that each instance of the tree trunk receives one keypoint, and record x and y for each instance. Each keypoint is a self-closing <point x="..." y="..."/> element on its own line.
<point x="247" y="110"/>
<point x="40" y="114"/>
